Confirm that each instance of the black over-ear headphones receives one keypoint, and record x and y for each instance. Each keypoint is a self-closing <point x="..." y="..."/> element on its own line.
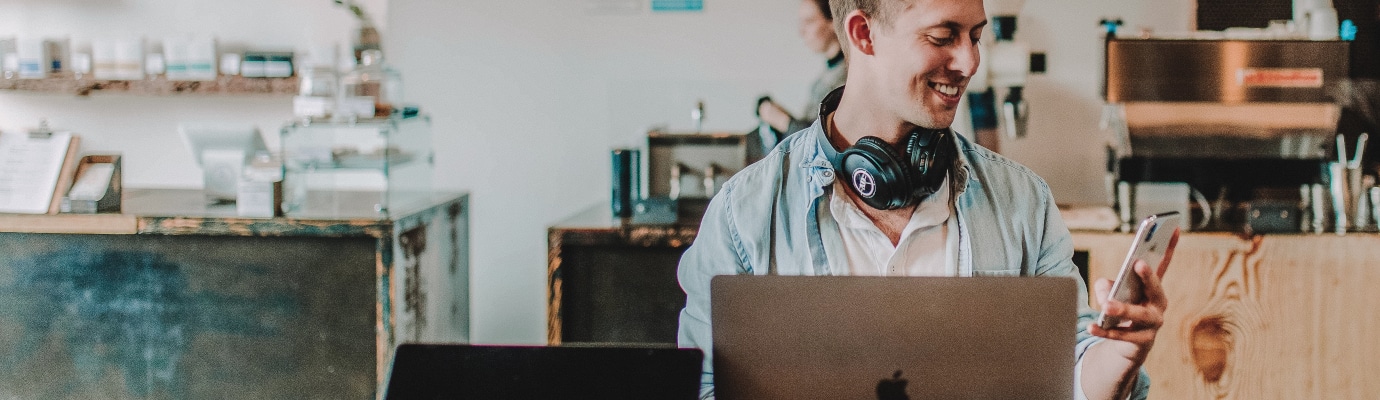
<point x="885" y="180"/>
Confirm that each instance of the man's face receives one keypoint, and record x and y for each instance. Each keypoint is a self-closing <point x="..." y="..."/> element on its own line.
<point x="817" y="31"/>
<point x="923" y="61"/>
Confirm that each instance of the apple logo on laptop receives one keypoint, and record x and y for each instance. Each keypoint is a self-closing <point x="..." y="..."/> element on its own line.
<point x="892" y="389"/>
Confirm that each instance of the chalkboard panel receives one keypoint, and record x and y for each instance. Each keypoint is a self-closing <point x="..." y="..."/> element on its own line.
<point x="620" y="294"/>
<point x="176" y="317"/>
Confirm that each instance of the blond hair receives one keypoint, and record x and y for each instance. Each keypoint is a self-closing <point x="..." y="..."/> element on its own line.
<point x="880" y="11"/>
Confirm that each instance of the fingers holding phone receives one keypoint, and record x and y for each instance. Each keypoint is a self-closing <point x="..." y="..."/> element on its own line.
<point x="1136" y="314"/>
<point x="1136" y="324"/>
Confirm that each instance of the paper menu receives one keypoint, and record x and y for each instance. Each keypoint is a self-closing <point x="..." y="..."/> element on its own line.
<point x="29" y="171"/>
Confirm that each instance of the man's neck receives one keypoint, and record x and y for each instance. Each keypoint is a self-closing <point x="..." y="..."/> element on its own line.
<point x="857" y="117"/>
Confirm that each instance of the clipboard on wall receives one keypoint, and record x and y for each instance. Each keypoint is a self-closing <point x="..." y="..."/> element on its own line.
<point x="36" y="170"/>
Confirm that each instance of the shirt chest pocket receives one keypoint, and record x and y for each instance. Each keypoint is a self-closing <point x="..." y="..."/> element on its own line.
<point x="998" y="272"/>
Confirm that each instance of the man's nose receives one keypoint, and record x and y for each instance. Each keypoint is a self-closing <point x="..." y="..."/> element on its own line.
<point x="964" y="59"/>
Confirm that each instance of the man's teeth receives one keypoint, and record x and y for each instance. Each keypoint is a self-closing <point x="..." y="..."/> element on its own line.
<point x="946" y="89"/>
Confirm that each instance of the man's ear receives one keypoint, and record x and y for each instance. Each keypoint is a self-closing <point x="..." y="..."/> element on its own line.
<point x="858" y="28"/>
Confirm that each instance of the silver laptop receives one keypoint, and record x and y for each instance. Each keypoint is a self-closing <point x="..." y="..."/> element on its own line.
<point x="803" y="337"/>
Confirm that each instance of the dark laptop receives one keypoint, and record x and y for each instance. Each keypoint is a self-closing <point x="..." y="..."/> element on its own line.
<point x="796" y="337"/>
<point x="424" y="371"/>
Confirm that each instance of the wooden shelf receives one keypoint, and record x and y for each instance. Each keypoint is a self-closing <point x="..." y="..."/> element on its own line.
<point x="70" y="223"/>
<point x="225" y="85"/>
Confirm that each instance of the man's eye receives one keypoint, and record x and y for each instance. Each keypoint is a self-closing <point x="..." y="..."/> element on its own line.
<point x="941" y="40"/>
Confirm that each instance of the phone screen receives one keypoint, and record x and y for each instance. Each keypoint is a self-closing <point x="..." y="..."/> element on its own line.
<point x="1151" y="242"/>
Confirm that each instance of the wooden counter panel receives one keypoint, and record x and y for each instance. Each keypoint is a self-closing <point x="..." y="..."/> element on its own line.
<point x="261" y="227"/>
<point x="1287" y="316"/>
<point x="186" y="212"/>
<point x="622" y="279"/>
<point x="100" y="224"/>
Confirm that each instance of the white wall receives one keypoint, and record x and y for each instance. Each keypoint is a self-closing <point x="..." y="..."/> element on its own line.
<point x="529" y="96"/>
<point x="145" y="128"/>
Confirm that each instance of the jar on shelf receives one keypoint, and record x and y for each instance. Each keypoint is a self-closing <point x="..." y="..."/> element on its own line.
<point x="372" y="79"/>
<point x="318" y="81"/>
<point x="318" y="84"/>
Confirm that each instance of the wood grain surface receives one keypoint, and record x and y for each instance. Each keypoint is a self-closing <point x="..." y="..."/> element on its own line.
<point x="66" y="175"/>
<point x="70" y="223"/>
<point x="1265" y="317"/>
<point x="223" y="85"/>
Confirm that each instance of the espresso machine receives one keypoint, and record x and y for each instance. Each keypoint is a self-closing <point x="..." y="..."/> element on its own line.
<point x="1245" y="126"/>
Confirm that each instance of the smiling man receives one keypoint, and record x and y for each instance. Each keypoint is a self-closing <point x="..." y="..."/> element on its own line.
<point x="880" y="185"/>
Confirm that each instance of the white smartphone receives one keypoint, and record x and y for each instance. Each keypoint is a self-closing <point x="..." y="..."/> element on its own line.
<point x="1151" y="242"/>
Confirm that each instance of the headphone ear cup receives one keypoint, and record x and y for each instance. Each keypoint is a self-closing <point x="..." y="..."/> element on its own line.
<point x="883" y="150"/>
<point x="881" y="178"/>
<point x="921" y="151"/>
<point x="930" y="153"/>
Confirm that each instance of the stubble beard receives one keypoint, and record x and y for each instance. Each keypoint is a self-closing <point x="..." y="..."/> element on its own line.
<point x="922" y="111"/>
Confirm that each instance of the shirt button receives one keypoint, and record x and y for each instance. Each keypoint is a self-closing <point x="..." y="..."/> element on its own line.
<point x="828" y="174"/>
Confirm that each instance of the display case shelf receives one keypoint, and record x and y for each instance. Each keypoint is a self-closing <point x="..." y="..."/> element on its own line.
<point x="225" y="85"/>
<point x="387" y="160"/>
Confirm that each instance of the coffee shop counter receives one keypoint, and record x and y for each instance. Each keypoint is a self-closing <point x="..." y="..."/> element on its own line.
<point x="1288" y="316"/>
<point x="1272" y="316"/>
<point x="611" y="281"/>
<point x="175" y="299"/>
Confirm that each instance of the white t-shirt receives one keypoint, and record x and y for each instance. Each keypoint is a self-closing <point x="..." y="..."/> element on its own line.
<point x="928" y="245"/>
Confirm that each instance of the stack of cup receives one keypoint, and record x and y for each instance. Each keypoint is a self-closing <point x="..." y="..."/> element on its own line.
<point x="1362" y="218"/>
<point x="1322" y="24"/>
<point x="1340" y="195"/>
<point x="1373" y="193"/>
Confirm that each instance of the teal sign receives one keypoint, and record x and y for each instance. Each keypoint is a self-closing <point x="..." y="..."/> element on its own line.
<point x="677" y="5"/>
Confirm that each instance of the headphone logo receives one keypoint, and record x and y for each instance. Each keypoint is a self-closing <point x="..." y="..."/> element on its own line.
<point x="864" y="183"/>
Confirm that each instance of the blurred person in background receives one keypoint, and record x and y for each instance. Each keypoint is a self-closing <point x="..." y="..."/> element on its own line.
<point x="817" y="29"/>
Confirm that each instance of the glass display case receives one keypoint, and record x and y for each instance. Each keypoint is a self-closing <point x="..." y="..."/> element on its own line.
<point x="330" y="168"/>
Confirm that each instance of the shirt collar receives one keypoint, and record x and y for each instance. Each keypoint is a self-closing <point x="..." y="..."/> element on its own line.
<point x="932" y="211"/>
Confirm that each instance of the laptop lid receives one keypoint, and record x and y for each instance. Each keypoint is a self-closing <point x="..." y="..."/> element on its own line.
<point x="429" y="371"/>
<point x="793" y="337"/>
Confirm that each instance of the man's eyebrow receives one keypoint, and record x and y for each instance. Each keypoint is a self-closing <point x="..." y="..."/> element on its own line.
<point x="956" y="26"/>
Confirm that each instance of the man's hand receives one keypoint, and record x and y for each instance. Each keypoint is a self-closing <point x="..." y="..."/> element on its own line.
<point x="1110" y="367"/>
<point x="1134" y="337"/>
<point x="774" y="115"/>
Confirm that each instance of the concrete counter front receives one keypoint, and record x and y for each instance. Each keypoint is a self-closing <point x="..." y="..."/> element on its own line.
<point x="176" y="300"/>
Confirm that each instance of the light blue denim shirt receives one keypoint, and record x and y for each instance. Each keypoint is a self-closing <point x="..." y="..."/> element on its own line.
<point x="1008" y="225"/>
